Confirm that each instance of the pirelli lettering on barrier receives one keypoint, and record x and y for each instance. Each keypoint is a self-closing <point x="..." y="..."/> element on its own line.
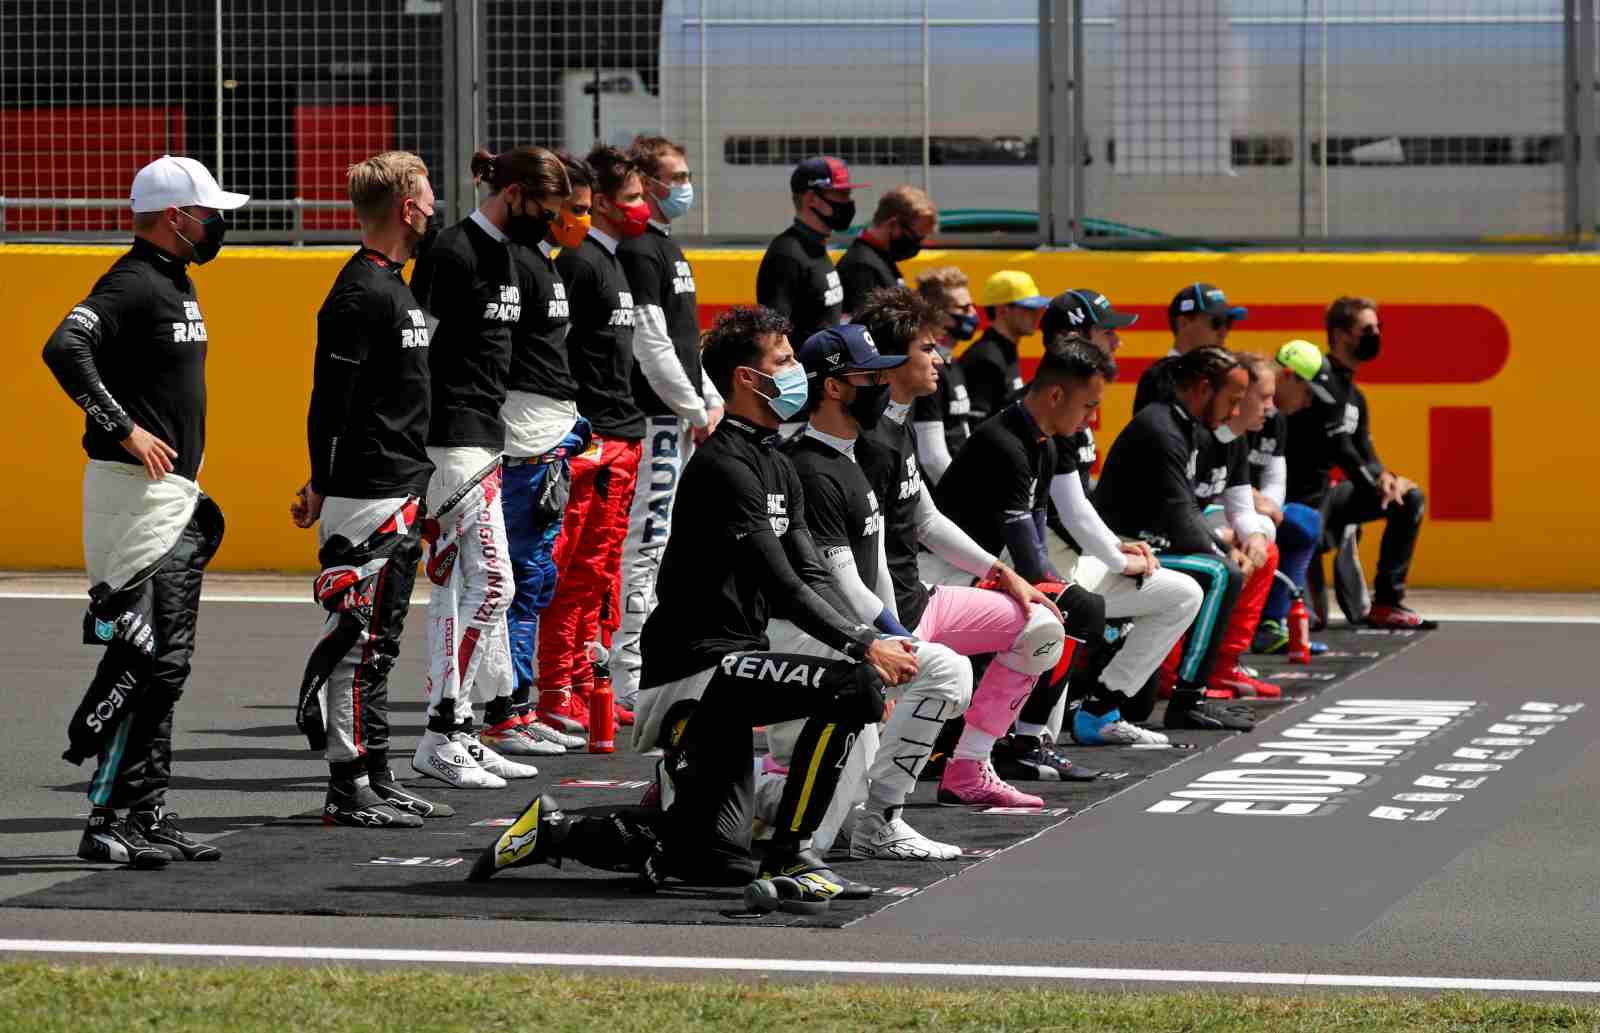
<point x="1316" y="766"/>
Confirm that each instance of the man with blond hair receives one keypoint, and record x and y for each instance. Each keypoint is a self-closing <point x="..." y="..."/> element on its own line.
<point x="367" y="426"/>
<point x="904" y="218"/>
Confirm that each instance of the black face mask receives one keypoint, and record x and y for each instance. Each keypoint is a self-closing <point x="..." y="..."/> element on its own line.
<point x="867" y="406"/>
<point x="528" y="230"/>
<point x="842" y="215"/>
<point x="1367" y="346"/>
<point x="906" y="247"/>
<point x="964" y="327"/>
<point x="215" y="231"/>
<point x="425" y="239"/>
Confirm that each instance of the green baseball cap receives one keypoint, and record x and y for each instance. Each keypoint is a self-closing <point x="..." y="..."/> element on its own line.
<point x="1302" y="358"/>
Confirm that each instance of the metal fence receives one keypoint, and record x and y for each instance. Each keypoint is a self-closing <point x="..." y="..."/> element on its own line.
<point x="1146" y="123"/>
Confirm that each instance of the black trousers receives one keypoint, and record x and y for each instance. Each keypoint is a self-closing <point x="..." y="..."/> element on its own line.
<point x="1351" y="502"/>
<point x="148" y="630"/>
<point x="709" y="747"/>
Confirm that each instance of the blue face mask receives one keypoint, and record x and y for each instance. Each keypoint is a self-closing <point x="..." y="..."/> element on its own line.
<point x="791" y="387"/>
<point x="679" y="199"/>
<point x="966" y="325"/>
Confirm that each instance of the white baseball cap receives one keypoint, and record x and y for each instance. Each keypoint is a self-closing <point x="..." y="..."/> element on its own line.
<point x="180" y="182"/>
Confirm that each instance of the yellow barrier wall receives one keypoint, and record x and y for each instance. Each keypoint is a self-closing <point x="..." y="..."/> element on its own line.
<point x="260" y="307"/>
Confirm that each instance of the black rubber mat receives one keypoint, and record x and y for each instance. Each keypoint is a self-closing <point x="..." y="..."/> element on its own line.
<point x="297" y="866"/>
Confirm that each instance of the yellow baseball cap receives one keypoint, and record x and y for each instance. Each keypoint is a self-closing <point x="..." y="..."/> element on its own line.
<point x="1012" y="287"/>
<point x="1302" y="357"/>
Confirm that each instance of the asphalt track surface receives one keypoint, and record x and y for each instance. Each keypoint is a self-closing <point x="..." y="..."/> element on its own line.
<point x="1485" y="879"/>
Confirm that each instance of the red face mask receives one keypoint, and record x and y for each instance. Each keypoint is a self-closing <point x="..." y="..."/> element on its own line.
<point x="635" y="217"/>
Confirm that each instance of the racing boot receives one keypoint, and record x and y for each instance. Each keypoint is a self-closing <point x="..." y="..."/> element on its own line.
<point x="812" y="873"/>
<point x="535" y="837"/>
<point x="1028" y="758"/>
<point x="162" y="830"/>
<point x="359" y="806"/>
<point x="889" y="837"/>
<point x="402" y="799"/>
<point x="120" y="842"/>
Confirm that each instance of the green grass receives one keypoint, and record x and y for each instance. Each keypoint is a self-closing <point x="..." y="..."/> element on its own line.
<point x="125" y="998"/>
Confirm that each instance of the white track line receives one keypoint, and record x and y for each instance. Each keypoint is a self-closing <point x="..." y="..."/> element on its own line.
<point x="786" y="965"/>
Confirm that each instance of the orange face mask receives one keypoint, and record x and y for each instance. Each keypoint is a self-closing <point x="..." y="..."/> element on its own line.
<point x="570" y="229"/>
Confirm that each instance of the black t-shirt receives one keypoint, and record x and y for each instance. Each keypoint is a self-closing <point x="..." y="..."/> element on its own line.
<point x="841" y="507"/>
<point x="712" y="600"/>
<point x="992" y="373"/>
<point x="469" y="282"/>
<point x="862" y="270"/>
<point x="1266" y="445"/>
<point x="949" y="405"/>
<point x="1004" y="471"/>
<point x="134" y="352"/>
<point x="659" y="274"/>
<point x="888" y="456"/>
<point x="600" y="344"/>
<point x="539" y="340"/>
<point x="798" y="280"/>
<point x="1146" y="485"/>
<point x="1076" y="455"/>
<point x="1218" y="466"/>
<point x="368" y="421"/>
<point x="1334" y="430"/>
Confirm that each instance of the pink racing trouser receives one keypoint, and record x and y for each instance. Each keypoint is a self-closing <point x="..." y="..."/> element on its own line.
<point x="972" y="622"/>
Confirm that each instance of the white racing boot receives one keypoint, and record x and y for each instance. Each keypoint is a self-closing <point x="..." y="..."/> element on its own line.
<point x="441" y="756"/>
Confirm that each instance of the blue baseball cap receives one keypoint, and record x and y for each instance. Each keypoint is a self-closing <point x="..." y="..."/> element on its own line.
<point x="1204" y="298"/>
<point x="847" y="348"/>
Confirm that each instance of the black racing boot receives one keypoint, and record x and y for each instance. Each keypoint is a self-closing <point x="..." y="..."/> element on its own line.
<point x="161" y="829"/>
<point x="402" y="799"/>
<point x="120" y="842"/>
<point x="359" y="806"/>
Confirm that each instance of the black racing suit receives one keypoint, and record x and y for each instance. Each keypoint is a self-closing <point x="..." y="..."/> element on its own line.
<point x="1336" y="430"/>
<point x="133" y="353"/>
<point x="366" y="428"/>
<point x="740" y="555"/>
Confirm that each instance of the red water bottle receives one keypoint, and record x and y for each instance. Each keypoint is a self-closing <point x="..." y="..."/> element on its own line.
<point x="602" y="709"/>
<point x="1299" y="632"/>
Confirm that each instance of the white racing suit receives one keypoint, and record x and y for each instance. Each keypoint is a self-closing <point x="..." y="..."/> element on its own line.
<point x="469" y="565"/>
<point x="666" y="449"/>
<point x="369" y="551"/>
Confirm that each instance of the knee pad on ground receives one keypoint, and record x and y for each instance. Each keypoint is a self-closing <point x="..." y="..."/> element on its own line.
<point x="1038" y="646"/>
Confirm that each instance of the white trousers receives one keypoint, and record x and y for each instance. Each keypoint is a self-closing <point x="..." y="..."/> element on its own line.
<point x="469" y="565"/>
<point x="1162" y="606"/>
<point x="885" y="764"/>
<point x="666" y="450"/>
